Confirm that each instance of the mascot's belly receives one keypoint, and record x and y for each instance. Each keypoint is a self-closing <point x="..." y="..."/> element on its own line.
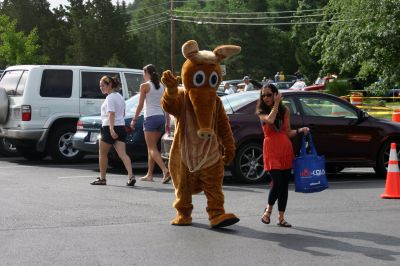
<point x="197" y="153"/>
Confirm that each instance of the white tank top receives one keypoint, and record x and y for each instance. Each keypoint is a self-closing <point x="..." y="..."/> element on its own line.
<point x="152" y="104"/>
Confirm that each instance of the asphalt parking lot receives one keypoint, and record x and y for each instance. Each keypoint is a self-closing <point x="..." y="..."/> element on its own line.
<point x="50" y="215"/>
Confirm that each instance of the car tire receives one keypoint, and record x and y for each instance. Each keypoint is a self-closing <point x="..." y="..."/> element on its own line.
<point x="383" y="157"/>
<point x="3" y="106"/>
<point x="60" y="146"/>
<point x="31" y="154"/>
<point x="7" y="149"/>
<point x="248" y="165"/>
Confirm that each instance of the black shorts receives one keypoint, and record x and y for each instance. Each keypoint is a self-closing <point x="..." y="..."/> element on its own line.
<point x="106" y="134"/>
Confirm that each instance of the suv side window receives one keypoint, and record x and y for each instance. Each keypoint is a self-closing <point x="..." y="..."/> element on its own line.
<point x="133" y="81"/>
<point x="56" y="83"/>
<point x="90" y="84"/>
<point x="14" y="82"/>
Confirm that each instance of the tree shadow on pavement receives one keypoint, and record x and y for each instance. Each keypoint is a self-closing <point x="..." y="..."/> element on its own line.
<point x="325" y="240"/>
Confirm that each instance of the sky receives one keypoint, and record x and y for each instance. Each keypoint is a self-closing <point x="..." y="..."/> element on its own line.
<point x="56" y="3"/>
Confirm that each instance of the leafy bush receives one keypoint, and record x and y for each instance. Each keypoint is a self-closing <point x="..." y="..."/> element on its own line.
<point x="338" y="87"/>
<point x="376" y="89"/>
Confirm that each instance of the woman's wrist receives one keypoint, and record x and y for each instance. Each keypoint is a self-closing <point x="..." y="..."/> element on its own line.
<point x="298" y="131"/>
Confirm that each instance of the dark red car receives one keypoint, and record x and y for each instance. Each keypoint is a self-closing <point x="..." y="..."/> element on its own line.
<point x="346" y="135"/>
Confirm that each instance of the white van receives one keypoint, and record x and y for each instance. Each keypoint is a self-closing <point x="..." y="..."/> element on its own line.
<point x="40" y="105"/>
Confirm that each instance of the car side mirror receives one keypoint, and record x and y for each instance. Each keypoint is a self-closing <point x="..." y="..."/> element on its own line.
<point x="363" y="115"/>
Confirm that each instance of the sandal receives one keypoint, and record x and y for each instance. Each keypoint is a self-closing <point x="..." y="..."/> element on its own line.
<point x="131" y="182"/>
<point x="99" y="181"/>
<point x="166" y="178"/>
<point x="284" y="223"/>
<point x="266" y="218"/>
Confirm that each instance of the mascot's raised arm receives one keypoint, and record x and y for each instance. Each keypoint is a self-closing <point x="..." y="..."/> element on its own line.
<point x="203" y="140"/>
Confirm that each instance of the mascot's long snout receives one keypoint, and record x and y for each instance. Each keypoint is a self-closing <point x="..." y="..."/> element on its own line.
<point x="203" y="97"/>
<point x="203" y="102"/>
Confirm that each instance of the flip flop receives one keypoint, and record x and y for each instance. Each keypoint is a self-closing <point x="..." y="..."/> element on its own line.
<point x="166" y="178"/>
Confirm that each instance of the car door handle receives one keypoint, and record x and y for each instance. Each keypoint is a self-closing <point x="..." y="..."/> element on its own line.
<point x="88" y="102"/>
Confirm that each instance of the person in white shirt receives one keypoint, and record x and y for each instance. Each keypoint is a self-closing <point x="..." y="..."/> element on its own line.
<point x="228" y="88"/>
<point x="248" y="86"/>
<point x="112" y="129"/>
<point x="155" y="120"/>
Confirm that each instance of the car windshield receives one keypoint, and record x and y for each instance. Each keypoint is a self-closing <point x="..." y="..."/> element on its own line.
<point x="234" y="102"/>
<point x="131" y="105"/>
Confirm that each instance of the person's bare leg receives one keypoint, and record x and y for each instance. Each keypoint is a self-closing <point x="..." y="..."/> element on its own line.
<point x="152" y="138"/>
<point x="150" y="168"/>
<point x="104" y="148"/>
<point x="120" y="147"/>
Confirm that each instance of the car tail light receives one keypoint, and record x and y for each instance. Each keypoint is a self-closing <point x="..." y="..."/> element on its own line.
<point x="26" y="113"/>
<point x="79" y="125"/>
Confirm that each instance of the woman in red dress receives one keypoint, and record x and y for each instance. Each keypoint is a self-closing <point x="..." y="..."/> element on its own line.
<point x="277" y="149"/>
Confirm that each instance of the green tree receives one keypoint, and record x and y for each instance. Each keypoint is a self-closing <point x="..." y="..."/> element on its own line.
<point x="364" y="40"/>
<point x="16" y="47"/>
<point x="302" y="33"/>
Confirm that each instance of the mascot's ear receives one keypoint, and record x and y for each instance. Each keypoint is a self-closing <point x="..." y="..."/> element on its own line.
<point x="190" y="49"/>
<point x="225" y="51"/>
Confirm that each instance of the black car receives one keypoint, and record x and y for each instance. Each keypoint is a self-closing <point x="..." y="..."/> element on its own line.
<point x="87" y="135"/>
<point x="346" y="135"/>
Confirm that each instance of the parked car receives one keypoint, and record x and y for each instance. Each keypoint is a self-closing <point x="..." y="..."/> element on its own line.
<point x="40" y="105"/>
<point x="87" y="136"/>
<point x="346" y="135"/>
<point x="320" y="83"/>
<point x="283" y="85"/>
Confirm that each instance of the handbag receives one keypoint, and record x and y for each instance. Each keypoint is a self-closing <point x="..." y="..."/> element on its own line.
<point x="309" y="169"/>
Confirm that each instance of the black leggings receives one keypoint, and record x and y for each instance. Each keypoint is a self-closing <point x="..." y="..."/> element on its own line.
<point x="280" y="188"/>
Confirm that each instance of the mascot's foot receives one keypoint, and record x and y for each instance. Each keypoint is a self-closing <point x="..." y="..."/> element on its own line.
<point x="182" y="221"/>
<point x="224" y="220"/>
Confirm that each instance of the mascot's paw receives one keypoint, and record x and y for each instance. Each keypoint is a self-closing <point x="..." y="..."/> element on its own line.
<point x="182" y="220"/>
<point x="223" y="220"/>
<point x="170" y="81"/>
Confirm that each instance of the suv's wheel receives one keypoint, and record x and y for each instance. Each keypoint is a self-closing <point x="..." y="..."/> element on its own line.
<point x="7" y="149"/>
<point x="31" y="154"/>
<point x="248" y="165"/>
<point x="60" y="147"/>
<point x="3" y="106"/>
<point x="383" y="157"/>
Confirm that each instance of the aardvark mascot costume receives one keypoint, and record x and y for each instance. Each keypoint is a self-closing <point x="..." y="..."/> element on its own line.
<point x="203" y="140"/>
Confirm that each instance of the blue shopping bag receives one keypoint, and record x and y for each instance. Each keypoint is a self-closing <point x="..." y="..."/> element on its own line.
<point x="309" y="169"/>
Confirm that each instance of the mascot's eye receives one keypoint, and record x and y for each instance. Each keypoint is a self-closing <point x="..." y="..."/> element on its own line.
<point x="199" y="78"/>
<point x="213" y="80"/>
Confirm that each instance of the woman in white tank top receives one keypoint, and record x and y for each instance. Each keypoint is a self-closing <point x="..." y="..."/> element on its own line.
<point x="155" y="120"/>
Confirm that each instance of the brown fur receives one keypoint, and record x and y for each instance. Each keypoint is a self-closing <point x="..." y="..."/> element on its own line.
<point x="201" y="125"/>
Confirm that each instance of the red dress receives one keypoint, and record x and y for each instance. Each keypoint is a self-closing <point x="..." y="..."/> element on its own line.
<point x="277" y="151"/>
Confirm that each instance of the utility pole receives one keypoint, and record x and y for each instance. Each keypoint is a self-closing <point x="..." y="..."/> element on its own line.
<point x="172" y="36"/>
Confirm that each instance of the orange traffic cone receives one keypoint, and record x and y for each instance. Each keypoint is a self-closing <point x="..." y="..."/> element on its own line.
<point x="392" y="189"/>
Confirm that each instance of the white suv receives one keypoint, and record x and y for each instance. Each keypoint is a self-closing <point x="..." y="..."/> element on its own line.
<point x="41" y="104"/>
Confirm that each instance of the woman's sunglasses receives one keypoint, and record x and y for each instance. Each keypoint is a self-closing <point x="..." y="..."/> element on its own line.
<point x="266" y="95"/>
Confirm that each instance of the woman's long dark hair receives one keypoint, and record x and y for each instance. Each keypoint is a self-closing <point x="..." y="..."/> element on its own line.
<point x="263" y="109"/>
<point x="151" y="70"/>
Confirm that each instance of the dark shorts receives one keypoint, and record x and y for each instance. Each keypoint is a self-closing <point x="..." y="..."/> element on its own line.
<point x="154" y="123"/>
<point x="106" y="134"/>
